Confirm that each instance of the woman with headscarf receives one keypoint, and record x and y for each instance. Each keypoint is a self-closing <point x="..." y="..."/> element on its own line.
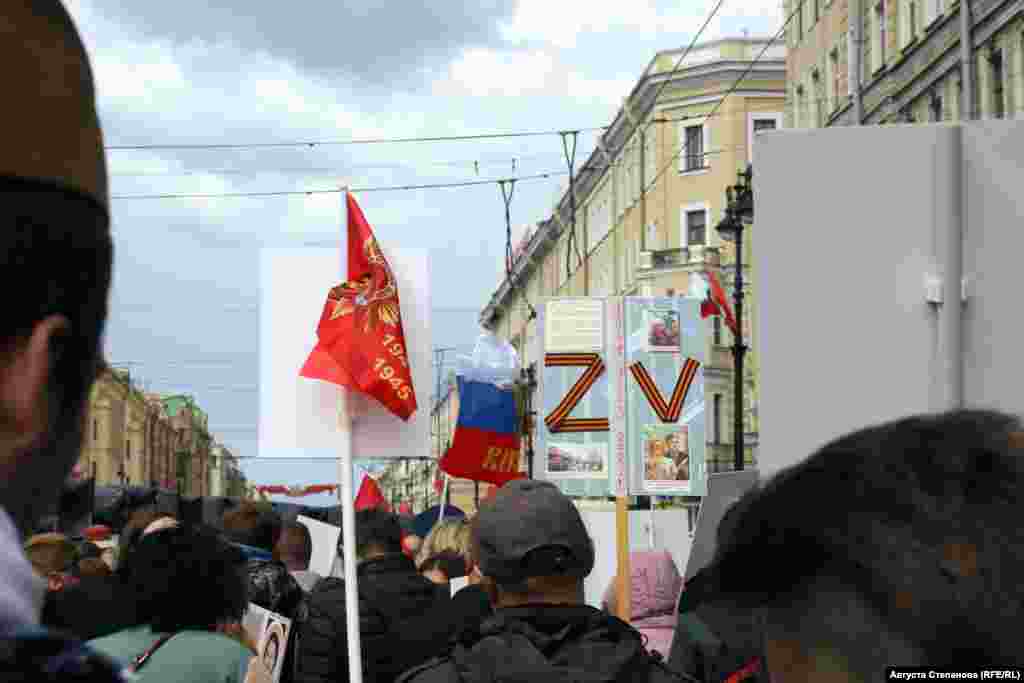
<point x="655" y="586"/>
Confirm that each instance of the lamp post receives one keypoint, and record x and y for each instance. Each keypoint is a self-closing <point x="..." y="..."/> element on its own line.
<point x="739" y="212"/>
<point x="528" y="381"/>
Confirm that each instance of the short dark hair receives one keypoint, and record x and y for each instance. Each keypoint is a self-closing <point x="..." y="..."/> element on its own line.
<point x="449" y="562"/>
<point x="253" y="524"/>
<point x="187" y="578"/>
<point x="42" y="224"/>
<point x="296" y="543"/>
<point x="917" y="517"/>
<point x="133" y="531"/>
<point x="377" y="530"/>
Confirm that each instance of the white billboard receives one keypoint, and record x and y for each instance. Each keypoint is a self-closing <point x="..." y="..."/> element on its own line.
<point x="296" y="412"/>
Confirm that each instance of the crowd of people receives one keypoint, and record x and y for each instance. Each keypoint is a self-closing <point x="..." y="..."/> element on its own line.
<point x="898" y="544"/>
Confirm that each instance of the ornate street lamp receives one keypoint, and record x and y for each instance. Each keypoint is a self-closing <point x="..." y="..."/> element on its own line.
<point x="739" y="212"/>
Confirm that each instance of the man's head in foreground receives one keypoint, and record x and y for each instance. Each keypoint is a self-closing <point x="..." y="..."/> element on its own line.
<point x="531" y="542"/>
<point x="896" y="545"/>
<point x="55" y="253"/>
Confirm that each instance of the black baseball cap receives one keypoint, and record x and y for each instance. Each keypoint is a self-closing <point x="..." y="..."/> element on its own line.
<point x="532" y="529"/>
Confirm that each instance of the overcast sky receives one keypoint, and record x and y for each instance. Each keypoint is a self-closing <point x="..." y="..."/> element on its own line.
<point x="186" y="290"/>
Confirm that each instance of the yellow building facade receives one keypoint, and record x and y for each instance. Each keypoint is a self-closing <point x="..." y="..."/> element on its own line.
<point x="903" y="62"/>
<point x="648" y="200"/>
<point x="133" y="438"/>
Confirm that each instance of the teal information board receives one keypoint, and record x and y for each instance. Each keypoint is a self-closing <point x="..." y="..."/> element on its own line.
<point x="666" y="348"/>
<point x="574" y="445"/>
<point x="621" y="409"/>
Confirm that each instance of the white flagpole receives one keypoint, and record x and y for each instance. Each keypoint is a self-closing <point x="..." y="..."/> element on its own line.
<point x="444" y="497"/>
<point x="348" y="512"/>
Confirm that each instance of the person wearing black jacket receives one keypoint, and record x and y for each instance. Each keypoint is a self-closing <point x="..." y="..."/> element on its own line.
<point x="255" y="529"/>
<point x="531" y="540"/>
<point x="404" y="619"/>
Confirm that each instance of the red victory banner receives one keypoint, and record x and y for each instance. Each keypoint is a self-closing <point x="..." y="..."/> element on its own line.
<point x="716" y="302"/>
<point x="360" y="339"/>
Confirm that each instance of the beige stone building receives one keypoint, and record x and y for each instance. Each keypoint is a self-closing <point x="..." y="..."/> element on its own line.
<point x="127" y="439"/>
<point x="137" y="439"/>
<point x="903" y="62"/>
<point x="648" y="200"/>
<point x="192" y="456"/>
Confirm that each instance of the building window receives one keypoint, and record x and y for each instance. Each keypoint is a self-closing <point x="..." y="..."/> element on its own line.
<point x="760" y="123"/>
<point x="95" y="430"/>
<point x="691" y="520"/>
<point x="833" y="80"/>
<point x="912" y="16"/>
<point x="716" y="417"/>
<point x="878" y="49"/>
<point x="998" y="103"/>
<point x="693" y="152"/>
<point x="716" y="330"/>
<point x="696" y="227"/>
<point x="935" y="106"/>
<point x="127" y="449"/>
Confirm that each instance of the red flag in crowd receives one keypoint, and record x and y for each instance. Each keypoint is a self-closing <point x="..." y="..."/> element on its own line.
<point x="405" y="509"/>
<point x="361" y="342"/>
<point x="717" y="303"/>
<point x="370" y="497"/>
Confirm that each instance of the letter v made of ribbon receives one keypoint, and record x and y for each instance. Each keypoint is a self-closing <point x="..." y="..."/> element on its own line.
<point x="670" y="411"/>
<point x="559" y="422"/>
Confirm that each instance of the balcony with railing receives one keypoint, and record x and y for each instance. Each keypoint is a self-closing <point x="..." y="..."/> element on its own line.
<point x="652" y="263"/>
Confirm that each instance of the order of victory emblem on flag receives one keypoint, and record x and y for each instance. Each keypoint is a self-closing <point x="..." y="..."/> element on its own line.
<point x="360" y="339"/>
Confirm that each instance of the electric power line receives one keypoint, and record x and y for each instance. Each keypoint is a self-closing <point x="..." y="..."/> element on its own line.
<point x="365" y="141"/>
<point x="735" y="85"/>
<point x="667" y="78"/>
<point x="477" y="163"/>
<point x="391" y="188"/>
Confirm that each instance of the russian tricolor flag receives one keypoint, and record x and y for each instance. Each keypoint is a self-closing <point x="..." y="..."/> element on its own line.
<point x="486" y="444"/>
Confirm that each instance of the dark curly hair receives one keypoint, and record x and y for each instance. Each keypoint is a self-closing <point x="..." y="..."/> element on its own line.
<point x="187" y="578"/>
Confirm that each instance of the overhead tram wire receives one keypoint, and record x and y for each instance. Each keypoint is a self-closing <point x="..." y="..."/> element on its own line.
<point x="338" y="190"/>
<point x="735" y="85"/>
<point x="366" y="141"/>
<point x="675" y="69"/>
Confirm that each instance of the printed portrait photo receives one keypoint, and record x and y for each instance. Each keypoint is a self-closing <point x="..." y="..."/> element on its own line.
<point x="663" y="332"/>
<point x="667" y="457"/>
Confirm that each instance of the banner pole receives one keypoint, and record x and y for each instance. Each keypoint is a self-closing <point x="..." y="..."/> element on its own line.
<point x="348" y="512"/>
<point x="348" y="534"/>
<point x="444" y="499"/>
<point x="616" y="352"/>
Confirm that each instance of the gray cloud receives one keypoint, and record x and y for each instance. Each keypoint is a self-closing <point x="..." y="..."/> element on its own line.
<point x="376" y="43"/>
